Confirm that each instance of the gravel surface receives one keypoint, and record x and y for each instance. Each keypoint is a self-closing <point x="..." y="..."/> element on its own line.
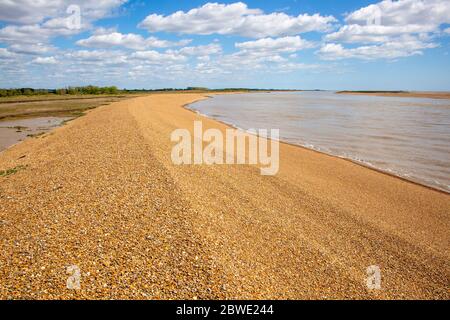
<point x="101" y="194"/>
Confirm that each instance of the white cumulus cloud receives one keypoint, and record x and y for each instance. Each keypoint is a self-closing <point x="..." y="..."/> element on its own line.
<point x="130" y="40"/>
<point x="284" y="44"/>
<point x="388" y="50"/>
<point x="33" y="49"/>
<point x="40" y="21"/>
<point x="202" y="50"/>
<point x="6" y="54"/>
<point x="388" y="29"/>
<point x="155" y="57"/>
<point x="45" y="60"/>
<point x="236" y="18"/>
<point x="32" y="11"/>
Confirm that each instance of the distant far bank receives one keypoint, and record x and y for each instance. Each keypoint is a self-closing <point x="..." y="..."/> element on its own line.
<point x="113" y="90"/>
<point x="8" y="95"/>
<point x="411" y="94"/>
<point x="74" y="101"/>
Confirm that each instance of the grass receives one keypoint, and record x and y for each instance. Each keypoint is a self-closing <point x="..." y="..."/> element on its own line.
<point x="72" y="105"/>
<point x="53" y="97"/>
<point x="16" y="107"/>
<point x="7" y="172"/>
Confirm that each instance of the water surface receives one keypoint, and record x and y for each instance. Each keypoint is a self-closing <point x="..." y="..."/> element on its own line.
<point x="408" y="137"/>
<point x="15" y="130"/>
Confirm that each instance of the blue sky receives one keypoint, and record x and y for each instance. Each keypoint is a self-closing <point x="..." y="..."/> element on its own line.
<point x="302" y="44"/>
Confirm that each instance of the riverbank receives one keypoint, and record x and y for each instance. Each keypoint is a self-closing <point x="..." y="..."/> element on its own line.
<point x="15" y="130"/>
<point x="51" y="106"/>
<point x="403" y="137"/>
<point x="405" y="94"/>
<point x="102" y="193"/>
<point x="22" y="117"/>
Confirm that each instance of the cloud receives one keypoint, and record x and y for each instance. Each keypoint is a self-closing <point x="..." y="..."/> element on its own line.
<point x="28" y="11"/>
<point x="203" y="50"/>
<point x="32" y="11"/>
<point x="384" y="30"/>
<point x="263" y="54"/>
<point x="285" y="44"/>
<point x="40" y="21"/>
<point x="388" y="50"/>
<point x="389" y="29"/>
<point x="235" y="18"/>
<point x="102" y="56"/>
<point x="130" y="40"/>
<point x="155" y="57"/>
<point x="35" y="24"/>
<point x="292" y="66"/>
<point x="32" y="49"/>
<point x="388" y="19"/>
<point x="423" y="13"/>
<point x="31" y="34"/>
<point x="45" y="60"/>
<point x="251" y="62"/>
<point x="374" y="33"/>
<point x="5" y="54"/>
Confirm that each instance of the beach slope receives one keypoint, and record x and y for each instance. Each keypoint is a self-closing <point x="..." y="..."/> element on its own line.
<point x="101" y="195"/>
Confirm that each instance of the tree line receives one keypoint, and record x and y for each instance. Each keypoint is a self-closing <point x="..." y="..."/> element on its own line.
<point x="109" y="90"/>
<point x="61" y="91"/>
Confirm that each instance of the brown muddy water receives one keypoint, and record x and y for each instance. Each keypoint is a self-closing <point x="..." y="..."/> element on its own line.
<point x="16" y="130"/>
<point x="407" y="137"/>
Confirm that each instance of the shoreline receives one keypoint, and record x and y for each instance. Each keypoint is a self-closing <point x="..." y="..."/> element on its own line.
<point x="187" y="107"/>
<point x="362" y="164"/>
<point x="34" y="131"/>
<point x="102" y="193"/>
<point x="400" y="94"/>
